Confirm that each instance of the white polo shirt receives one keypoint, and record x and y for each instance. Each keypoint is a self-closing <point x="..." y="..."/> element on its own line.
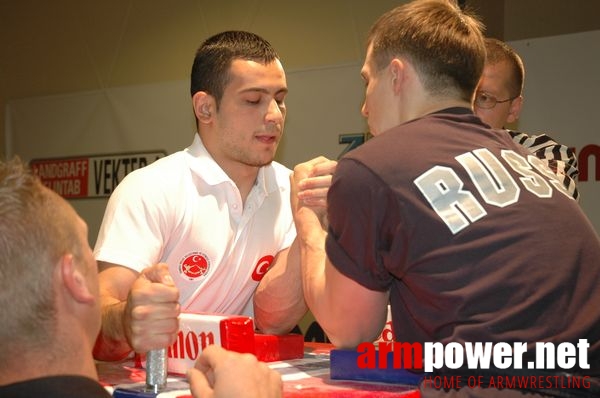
<point x="185" y="211"/>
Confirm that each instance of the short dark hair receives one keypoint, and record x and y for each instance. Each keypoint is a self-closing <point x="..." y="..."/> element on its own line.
<point x="444" y="43"/>
<point x="210" y="71"/>
<point x="498" y="51"/>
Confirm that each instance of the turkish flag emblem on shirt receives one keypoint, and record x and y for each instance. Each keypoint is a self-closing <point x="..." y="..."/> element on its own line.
<point x="262" y="267"/>
<point x="194" y="266"/>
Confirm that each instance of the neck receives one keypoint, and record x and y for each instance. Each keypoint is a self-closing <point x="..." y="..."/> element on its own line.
<point x="245" y="190"/>
<point x="244" y="178"/>
<point x="445" y="104"/>
<point x="242" y="174"/>
<point x="432" y="105"/>
<point x="34" y="362"/>
<point x="415" y="101"/>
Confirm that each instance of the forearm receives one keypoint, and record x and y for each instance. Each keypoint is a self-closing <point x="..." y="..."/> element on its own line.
<point x="313" y="260"/>
<point x="111" y="344"/>
<point x="347" y="312"/>
<point x="279" y="299"/>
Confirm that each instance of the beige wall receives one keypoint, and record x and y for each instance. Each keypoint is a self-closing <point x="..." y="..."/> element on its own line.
<point x="63" y="46"/>
<point x="525" y="19"/>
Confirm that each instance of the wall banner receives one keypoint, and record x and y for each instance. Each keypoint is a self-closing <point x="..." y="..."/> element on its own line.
<point x="94" y="176"/>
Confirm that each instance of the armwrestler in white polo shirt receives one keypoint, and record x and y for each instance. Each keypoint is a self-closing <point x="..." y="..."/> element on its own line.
<point x="196" y="231"/>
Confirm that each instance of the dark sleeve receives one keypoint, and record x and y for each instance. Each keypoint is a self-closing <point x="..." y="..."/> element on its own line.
<point x="358" y="235"/>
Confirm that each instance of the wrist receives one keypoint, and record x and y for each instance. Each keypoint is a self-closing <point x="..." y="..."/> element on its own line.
<point x="113" y="342"/>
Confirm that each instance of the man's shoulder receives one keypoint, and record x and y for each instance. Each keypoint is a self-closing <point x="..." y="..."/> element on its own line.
<point x="64" y="386"/>
<point x="163" y="174"/>
<point x="163" y="167"/>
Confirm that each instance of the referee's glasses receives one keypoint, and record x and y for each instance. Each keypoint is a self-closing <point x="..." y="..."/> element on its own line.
<point x="485" y="100"/>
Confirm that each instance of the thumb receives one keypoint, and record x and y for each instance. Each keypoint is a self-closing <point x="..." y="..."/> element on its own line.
<point x="159" y="273"/>
<point x="199" y="385"/>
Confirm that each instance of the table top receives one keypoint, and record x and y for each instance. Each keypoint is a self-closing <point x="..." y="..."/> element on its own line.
<point x="307" y="377"/>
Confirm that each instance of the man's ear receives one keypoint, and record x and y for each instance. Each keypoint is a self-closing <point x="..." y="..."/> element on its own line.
<point x="397" y="70"/>
<point x="204" y="106"/>
<point x="515" y="109"/>
<point x="74" y="282"/>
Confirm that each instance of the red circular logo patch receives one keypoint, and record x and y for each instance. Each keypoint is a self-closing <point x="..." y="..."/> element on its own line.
<point x="262" y="267"/>
<point x="194" y="266"/>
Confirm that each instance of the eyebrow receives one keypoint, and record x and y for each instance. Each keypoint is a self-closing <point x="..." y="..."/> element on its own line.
<point x="264" y="90"/>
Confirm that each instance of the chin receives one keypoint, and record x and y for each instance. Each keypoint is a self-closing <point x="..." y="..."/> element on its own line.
<point x="266" y="163"/>
<point x="260" y="162"/>
<point x="372" y="129"/>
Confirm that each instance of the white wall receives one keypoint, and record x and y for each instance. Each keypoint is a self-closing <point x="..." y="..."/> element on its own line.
<point x="117" y="120"/>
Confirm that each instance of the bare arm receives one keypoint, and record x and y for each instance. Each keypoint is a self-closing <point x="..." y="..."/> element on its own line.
<point x="139" y="311"/>
<point x="115" y="282"/>
<point x="278" y="300"/>
<point x="348" y="312"/>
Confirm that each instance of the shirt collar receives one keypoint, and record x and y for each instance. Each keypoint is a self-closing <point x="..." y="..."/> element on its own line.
<point x="204" y="166"/>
